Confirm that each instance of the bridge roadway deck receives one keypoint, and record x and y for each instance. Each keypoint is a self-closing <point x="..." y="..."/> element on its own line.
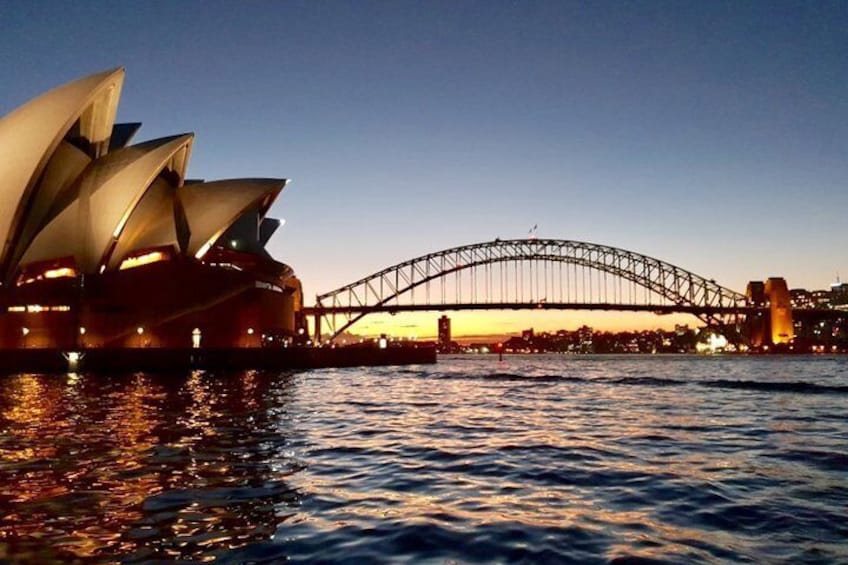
<point x="655" y="308"/>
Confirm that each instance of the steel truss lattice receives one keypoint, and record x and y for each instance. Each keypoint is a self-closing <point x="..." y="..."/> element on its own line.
<point x="435" y="282"/>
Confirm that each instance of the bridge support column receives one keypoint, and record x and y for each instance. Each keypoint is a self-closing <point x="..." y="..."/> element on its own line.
<point x="317" y="328"/>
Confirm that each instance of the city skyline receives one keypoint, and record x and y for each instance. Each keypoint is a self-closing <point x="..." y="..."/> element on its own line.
<point x="711" y="137"/>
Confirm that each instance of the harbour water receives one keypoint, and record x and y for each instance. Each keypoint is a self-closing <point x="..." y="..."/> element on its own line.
<point x="632" y="459"/>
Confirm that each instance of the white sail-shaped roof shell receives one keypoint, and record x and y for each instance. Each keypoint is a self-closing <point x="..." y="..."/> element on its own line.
<point x="89" y="227"/>
<point x="152" y="224"/>
<point x="29" y="137"/>
<point x="212" y="207"/>
<point x="69" y="189"/>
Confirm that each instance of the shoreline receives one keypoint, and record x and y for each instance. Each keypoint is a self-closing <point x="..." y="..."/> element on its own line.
<point x="156" y="359"/>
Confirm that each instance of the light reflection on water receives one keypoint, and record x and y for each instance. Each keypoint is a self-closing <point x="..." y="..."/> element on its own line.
<point x="590" y="459"/>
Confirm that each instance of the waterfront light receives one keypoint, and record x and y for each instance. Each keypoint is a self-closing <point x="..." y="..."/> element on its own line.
<point x="82" y="330"/>
<point x="249" y="331"/>
<point x="25" y="331"/>
<point x="73" y="358"/>
<point x="139" y="330"/>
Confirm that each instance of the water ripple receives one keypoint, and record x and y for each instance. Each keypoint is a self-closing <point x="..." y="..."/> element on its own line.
<point x="620" y="460"/>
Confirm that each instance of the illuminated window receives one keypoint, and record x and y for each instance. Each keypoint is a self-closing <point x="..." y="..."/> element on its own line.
<point x="226" y="266"/>
<point x="38" y="308"/>
<point x="140" y="260"/>
<point x="59" y="273"/>
<point x="51" y="273"/>
<point x="268" y="286"/>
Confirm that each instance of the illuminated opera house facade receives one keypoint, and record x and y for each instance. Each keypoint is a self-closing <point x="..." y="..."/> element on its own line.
<point x="108" y="245"/>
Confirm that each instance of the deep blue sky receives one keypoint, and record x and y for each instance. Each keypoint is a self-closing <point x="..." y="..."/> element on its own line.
<point x="713" y="135"/>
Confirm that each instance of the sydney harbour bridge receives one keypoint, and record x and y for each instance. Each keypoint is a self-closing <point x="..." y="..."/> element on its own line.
<point x="547" y="274"/>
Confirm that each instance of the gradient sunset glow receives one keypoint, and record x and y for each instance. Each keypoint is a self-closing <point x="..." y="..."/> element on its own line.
<point x="409" y="128"/>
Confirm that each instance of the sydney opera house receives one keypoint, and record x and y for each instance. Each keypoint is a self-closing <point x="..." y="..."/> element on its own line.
<point x="107" y="244"/>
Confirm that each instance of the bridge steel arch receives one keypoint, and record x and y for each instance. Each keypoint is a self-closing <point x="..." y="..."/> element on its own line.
<point x="678" y="290"/>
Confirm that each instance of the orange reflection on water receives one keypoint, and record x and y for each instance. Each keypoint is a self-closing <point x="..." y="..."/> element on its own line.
<point x="31" y="407"/>
<point x="84" y="456"/>
<point x="61" y="463"/>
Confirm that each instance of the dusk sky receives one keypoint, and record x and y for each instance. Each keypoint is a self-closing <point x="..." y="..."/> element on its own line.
<point x="711" y="135"/>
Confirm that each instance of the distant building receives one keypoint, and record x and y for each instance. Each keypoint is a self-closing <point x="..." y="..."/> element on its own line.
<point x="839" y="296"/>
<point x="821" y="298"/>
<point x="528" y="335"/>
<point x="585" y="339"/>
<point x="801" y="298"/>
<point x="444" y="343"/>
